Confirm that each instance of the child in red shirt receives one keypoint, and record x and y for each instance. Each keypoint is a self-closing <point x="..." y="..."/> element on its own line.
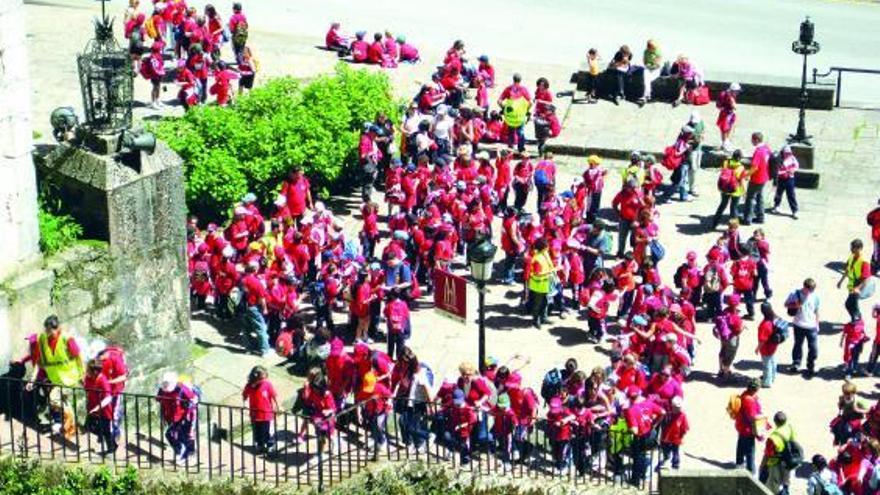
<point x="99" y="403"/>
<point x="559" y="422"/>
<point x="153" y="69"/>
<point x="853" y="339"/>
<point x="743" y="272"/>
<point x="222" y="86"/>
<point x="875" y="348"/>
<point x="262" y="402"/>
<point x="462" y="419"/>
<point x="503" y="426"/>
<point x="675" y="427"/>
<point x="397" y="317"/>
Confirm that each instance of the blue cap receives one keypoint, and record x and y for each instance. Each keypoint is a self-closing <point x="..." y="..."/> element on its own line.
<point x="401" y="235"/>
<point x="639" y="320"/>
<point x="249" y="198"/>
<point x="567" y="194"/>
<point x="458" y="397"/>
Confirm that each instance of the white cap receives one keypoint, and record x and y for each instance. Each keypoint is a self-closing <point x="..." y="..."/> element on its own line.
<point x="280" y="201"/>
<point x="677" y="401"/>
<point x="319" y="207"/>
<point x="786" y="149"/>
<point x="169" y="381"/>
<point x="695" y="116"/>
<point x="228" y="251"/>
<point x="442" y="109"/>
<point x="735" y="87"/>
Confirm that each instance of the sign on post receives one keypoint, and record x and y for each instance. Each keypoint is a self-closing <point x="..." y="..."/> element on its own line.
<point x="450" y="295"/>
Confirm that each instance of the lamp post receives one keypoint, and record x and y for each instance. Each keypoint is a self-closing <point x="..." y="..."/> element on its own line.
<point x="481" y="255"/>
<point x="805" y="45"/>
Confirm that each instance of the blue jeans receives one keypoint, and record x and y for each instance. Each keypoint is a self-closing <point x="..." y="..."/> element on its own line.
<point x="745" y="453"/>
<point x="624" y="231"/>
<point x="764" y="281"/>
<point x="754" y="208"/>
<point x="507" y="268"/>
<point x="520" y="134"/>
<point x="255" y="321"/>
<point x="414" y="426"/>
<point x="377" y="429"/>
<point x="769" y="367"/>
<point x="786" y="186"/>
<point x="668" y="451"/>
<point x="852" y="366"/>
<point x="595" y="203"/>
<point x="683" y="185"/>
<point x="811" y="335"/>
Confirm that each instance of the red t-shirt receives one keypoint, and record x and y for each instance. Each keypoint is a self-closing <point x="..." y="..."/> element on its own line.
<point x="173" y="404"/>
<point x="760" y="165"/>
<point x="296" y="193"/>
<point x="254" y="289"/>
<point x="98" y="388"/>
<point x="559" y="431"/>
<point x="675" y="428"/>
<point x="750" y="409"/>
<point x="641" y="416"/>
<point x="766" y="346"/>
<point x="260" y="397"/>
<point x="743" y="272"/>
<point x="113" y="366"/>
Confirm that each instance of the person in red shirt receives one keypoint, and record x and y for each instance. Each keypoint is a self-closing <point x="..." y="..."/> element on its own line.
<point x="316" y="401"/>
<point x="675" y="427"/>
<point x="298" y="191"/>
<point x="99" y="404"/>
<point x="114" y="368"/>
<point x="255" y="294"/>
<point x="627" y="204"/>
<point x="153" y="70"/>
<point x="462" y="419"/>
<point x="262" y="402"/>
<point x="852" y="339"/>
<point x="759" y="174"/>
<point x="767" y="345"/>
<point x="743" y="271"/>
<point x="376" y="51"/>
<point x="334" y="40"/>
<point x="503" y="427"/>
<point x="748" y="423"/>
<point x="642" y="418"/>
<point x="359" y="48"/>
<point x="522" y="181"/>
<point x="559" y="425"/>
<point x="376" y="399"/>
<point x="359" y="305"/>
<point x="178" y="405"/>
<point x="728" y="327"/>
<point x="397" y="317"/>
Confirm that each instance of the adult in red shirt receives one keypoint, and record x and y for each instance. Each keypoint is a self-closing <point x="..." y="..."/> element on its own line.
<point x="766" y="345"/>
<point x="627" y="204"/>
<point x="748" y="426"/>
<point x="641" y="418"/>
<point x="113" y="367"/>
<point x="512" y="244"/>
<point x="340" y="372"/>
<point x="297" y="189"/>
<point x="99" y="404"/>
<point x="522" y="181"/>
<point x="255" y="295"/>
<point x="728" y="327"/>
<point x="262" y="402"/>
<point x="759" y="174"/>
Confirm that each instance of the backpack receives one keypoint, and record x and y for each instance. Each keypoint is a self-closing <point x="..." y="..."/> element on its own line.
<point x="541" y="178"/>
<point x="240" y="36"/>
<point x="780" y="331"/>
<point x="551" y="385"/>
<point x="680" y="278"/>
<point x="150" y="28"/>
<point x="792" y="455"/>
<point x="734" y="404"/>
<point x="727" y="182"/>
<point x="712" y="280"/>
<point x="318" y="294"/>
<point x="146" y="67"/>
<point x="826" y="487"/>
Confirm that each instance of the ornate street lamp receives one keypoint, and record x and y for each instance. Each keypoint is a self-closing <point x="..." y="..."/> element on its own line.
<point x="105" y="77"/>
<point x="481" y="256"/>
<point x="805" y="45"/>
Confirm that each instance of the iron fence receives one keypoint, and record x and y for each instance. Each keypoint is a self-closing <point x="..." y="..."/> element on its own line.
<point x="223" y="445"/>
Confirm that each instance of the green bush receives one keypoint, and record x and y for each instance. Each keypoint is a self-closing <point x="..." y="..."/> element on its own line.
<point x="251" y="146"/>
<point x="57" y="230"/>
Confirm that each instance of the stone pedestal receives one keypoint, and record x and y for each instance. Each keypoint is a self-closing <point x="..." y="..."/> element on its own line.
<point x="18" y="193"/>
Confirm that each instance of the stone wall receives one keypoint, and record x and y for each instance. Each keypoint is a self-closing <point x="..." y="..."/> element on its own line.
<point x="18" y="192"/>
<point x="96" y="294"/>
<point x="710" y="482"/>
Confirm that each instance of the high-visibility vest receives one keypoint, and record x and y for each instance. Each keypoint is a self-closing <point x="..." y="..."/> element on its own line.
<point x="60" y="367"/>
<point x="780" y="437"/>
<point x="537" y="282"/>
<point x="853" y="271"/>
<point x="514" y="111"/>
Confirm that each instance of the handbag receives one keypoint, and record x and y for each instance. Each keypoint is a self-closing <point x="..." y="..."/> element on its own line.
<point x="868" y="288"/>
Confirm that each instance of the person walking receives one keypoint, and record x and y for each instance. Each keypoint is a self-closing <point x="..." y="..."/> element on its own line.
<point x="803" y="306"/>
<point x="539" y="281"/>
<point x="768" y="343"/>
<point x="99" y="404"/>
<point x="749" y="424"/>
<point x="255" y="294"/>
<point x="778" y="452"/>
<point x="759" y="174"/>
<point x="785" y="182"/>
<point x="627" y="203"/>
<point x="856" y="274"/>
<point x="823" y="481"/>
<point x="695" y="159"/>
<point x="731" y="185"/>
<point x="515" y="101"/>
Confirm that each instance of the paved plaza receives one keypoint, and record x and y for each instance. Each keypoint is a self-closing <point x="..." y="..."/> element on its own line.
<point x="847" y="143"/>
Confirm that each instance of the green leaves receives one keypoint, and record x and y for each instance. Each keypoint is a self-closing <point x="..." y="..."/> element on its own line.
<point x="252" y="146"/>
<point x="57" y="231"/>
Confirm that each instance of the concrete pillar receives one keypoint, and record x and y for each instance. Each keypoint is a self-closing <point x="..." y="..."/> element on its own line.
<point x="18" y="189"/>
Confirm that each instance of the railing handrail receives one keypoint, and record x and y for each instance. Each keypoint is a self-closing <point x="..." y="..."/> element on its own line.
<point x="839" y="81"/>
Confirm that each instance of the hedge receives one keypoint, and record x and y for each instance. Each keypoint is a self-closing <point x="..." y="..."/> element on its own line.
<point x="251" y="146"/>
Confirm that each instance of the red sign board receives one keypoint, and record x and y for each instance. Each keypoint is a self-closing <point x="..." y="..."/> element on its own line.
<point x="450" y="295"/>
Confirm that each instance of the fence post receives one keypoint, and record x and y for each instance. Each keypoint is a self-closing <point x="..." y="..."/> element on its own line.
<point x="320" y="468"/>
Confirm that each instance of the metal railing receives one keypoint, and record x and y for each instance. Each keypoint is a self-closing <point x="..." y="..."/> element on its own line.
<point x="224" y="446"/>
<point x="839" y="81"/>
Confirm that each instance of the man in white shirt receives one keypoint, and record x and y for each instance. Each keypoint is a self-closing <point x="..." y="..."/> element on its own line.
<point x="803" y="305"/>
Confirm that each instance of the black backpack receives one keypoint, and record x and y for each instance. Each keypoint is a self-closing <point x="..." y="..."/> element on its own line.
<point x="780" y="331"/>
<point x="792" y="456"/>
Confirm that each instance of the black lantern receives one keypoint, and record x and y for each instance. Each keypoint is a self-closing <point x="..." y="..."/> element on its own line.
<point x="481" y="256"/>
<point x="805" y="45"/>
<point x="105" y="78"/>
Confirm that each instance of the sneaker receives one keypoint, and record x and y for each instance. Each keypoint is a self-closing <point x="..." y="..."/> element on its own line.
<point x="772" y="210"/>
<point x="794" y="216"/>
<point x="180" y="460"/>
<point x="153" y="106"/>
<point x="809" y="374"/>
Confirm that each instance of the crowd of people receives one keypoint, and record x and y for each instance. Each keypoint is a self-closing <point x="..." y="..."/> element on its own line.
<point x="444" y="193"/>
<point x="173" y="38"/>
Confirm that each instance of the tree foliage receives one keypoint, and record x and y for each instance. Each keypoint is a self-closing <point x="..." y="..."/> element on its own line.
<point x="229" y="151"/>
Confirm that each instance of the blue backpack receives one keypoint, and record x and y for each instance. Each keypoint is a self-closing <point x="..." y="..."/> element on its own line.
<point x="541" y="178"/>
<point x="551" y="386"/>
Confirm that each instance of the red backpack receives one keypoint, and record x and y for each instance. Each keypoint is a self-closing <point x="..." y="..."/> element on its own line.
<point x="284" y="343"/>
<point x="727" y="182"/>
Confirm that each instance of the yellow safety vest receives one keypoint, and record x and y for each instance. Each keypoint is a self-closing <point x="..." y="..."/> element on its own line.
<point x="853" y="271"/>
<point x="515" y="111"/>
<point x="780" y="437"/>
<point x="541" y="283"/>
<point x="60" y="367"/>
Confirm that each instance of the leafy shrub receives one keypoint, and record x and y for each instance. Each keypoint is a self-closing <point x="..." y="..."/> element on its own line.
<point x="252" y="145"/>
<point x="57" y="230"/>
